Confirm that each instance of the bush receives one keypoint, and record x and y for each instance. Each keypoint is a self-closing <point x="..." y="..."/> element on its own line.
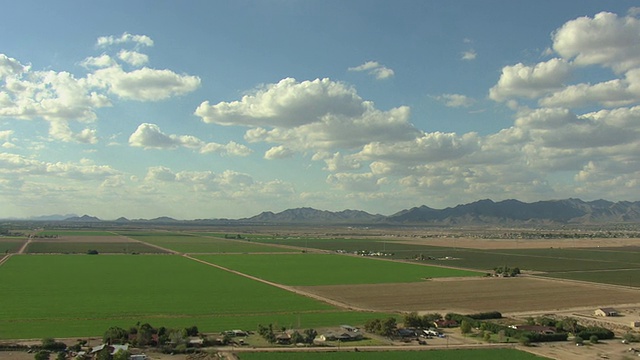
<point x="601" y="333"/>
<point x="52" y="345"/>
<point x="486" y="315"/>
<point x="593" y="339"/>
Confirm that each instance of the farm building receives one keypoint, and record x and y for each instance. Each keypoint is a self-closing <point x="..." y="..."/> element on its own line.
<point x="605" y="312"/>
<point x="349" y="328"/>
<point x="110" y="349"/>
<point x="283" y="339"/>
<point x="407" y="333"/>
<point x="341" y="336"/>
<point x="442" y="323"/>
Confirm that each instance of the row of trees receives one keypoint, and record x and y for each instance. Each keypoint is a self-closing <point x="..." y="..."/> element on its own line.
<point x="413" y="320"/>
<point x="563" y="328"/>
<point x="306" y="337"/>
<point x="384" y="327"/>
<point x="506" y="271"/>
<point x="145" y="334"/>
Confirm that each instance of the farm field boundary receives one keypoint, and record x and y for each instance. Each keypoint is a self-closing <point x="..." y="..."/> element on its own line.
<point x="193" y="243"/>
<point x="329" y="269"/>
<point x="472" y="295"/>
<point x="40" y="291"/>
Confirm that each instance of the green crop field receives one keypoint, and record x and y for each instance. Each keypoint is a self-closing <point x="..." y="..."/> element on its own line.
<point x="458" y="354"/>
<point x="190" y="243"/>
<point x="628" y="277"/>
<point x="329" y="269"/>
<point x="51" y="295"/>
<point x="349" y="245"/>
<point x="523" y="259"/>
<point x="53" y="247"/>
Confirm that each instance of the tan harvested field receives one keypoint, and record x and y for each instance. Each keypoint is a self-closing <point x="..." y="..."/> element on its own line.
<point x="474" y="243"/>
<point x="471" y="295"/>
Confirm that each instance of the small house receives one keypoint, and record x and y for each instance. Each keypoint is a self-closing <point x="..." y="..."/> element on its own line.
<point x="606" y="312"/>
<point x="283" y="339"/>
<point x="340" y="336"/>
<point x="443" y="323"/>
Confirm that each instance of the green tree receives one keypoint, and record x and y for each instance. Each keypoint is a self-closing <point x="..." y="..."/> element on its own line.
<point x="267" y="333"/>
<point x="104" y="354"/>
<point x="487" y="336"/>
<point x="42" y="355"/>
<point x="115" y="335"/>
<point x="578" y="340"/>
<point x="145" y="334"/>
<point x="373" y="326"/>
<point x="309" y="335"/>
<point x="593" y="339"/>
<point x="388" y="326"/>
<point x="412" y="319"/>
<point x="570" y="325"/>
<point x="122" y="355"/>
<point x="465" y="327"/>
<point x="428" y="319"/>
<point x="62" y="356"/>
<point x="524" y="340"/>
<point x="296" y="338"/>
<point x="629" y="337"/>
<point x="51" y="344"/>
<point x="177" y="336"/>
<point x="192" y="331"/>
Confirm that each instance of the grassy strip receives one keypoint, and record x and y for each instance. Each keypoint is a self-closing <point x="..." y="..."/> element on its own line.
<point x="458" y="354"/>
<point x="40" y="328"/>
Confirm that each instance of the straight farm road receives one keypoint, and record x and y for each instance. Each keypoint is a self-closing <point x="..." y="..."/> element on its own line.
<point x="22" y="249"/>
<point x="301" y="292"/>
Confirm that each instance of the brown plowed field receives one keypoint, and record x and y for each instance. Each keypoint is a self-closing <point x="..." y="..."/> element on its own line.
<point x="473" y="295"/>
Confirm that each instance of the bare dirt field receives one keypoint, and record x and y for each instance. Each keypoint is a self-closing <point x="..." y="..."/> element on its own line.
<point x="472" y="295"/>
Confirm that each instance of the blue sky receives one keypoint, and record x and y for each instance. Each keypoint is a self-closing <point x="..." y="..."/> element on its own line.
<point x="212" y="109"/>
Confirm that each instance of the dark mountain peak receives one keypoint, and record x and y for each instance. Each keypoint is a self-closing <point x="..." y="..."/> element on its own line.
<point x="85" y="218"/>
<point x="509" y="211"/>
<point x="163" y="219"/>
<point x="311" y="215"/>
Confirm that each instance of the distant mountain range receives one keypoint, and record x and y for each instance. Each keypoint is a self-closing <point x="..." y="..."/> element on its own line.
<point x="483" y="212"/>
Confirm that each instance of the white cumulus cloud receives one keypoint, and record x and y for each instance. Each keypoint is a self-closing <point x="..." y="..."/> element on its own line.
<point x="142" y="40"/>
<point x="133" y="57"/>
<point x="530" y="81"/>
<point x="374" y="68"/>
<point x="606" y="39"/>
<point x="149" y="136"/>
<point x="455" y="100"/>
